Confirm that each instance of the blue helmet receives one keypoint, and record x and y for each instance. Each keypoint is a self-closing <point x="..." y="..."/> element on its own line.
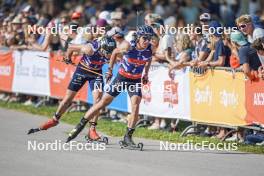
<point x="144" y="30"/>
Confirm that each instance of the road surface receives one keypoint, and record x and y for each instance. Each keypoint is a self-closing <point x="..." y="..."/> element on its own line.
<point x="17" y="159"/>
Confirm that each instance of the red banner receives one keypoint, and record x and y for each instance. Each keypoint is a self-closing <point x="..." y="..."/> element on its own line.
<point x="60" y="77"/>
<point x="6" y="71"/>
<point x="255" y="102"/>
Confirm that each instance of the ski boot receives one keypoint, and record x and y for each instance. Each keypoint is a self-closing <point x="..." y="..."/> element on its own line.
<point x="128" y="143"/>
<point x="48" y="124"/>
<point x="93" y="136"/>
<point x="79" y="127"/>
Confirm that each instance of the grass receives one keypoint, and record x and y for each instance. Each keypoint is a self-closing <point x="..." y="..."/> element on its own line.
<point x="118" y="129"/>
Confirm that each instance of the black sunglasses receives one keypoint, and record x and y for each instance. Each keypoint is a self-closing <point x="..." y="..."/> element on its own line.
<point x="146" y="38"/>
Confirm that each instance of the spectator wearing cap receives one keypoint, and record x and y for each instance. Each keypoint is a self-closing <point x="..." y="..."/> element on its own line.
<point x="218" y="52"/>
<point x="205" y="19"/>
<point x="258" y="44"/>
<point x="76" y="17"/>
<point x="150" y="18"/>
<point x="201" y="50"/>
<point x="247" y="55"/>
<point x="106" y="16"/>
<point x="246" y="26"/>
<point x="18" y="30"/>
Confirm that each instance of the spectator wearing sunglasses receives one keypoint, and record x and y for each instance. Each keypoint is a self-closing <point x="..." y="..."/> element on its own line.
<point x="246" y="26"/>
<point x="247" y="55"/>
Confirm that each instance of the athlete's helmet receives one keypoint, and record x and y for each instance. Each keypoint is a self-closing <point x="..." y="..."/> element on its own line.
<point x="107" y="45"/>
<point x="144" y="30"/>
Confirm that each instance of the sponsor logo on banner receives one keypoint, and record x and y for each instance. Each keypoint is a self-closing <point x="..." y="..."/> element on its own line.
<point x="5" y="70"/>
<point x="203" y="96"/>
<point x="31" y="73"/>
<point x="59" y="75"/>
<point x="170" y="94"/>
<point x="228" y="98"/>
<point x="255" y="101"/>
<point x="259" y="99"/>
<point x="146" y="93"/>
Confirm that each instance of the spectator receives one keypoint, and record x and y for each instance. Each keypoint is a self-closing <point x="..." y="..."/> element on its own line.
<point x="218" y="52"/>
<point x="245" y="25"/>
<point x="184" y="49"/>
<point x="259" y="46"/>
<point x="118" y="20"/>
<point x="257" y="138"/>
<point x="201" y="50"/>
<point x="248" y="56"/>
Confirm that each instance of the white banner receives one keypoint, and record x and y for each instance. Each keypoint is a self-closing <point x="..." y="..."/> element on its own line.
<point x="164" y="97"/>
<point x="31" y="74"/>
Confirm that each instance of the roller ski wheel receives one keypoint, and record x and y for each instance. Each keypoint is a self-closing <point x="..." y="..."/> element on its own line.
<point x="124" y="145"/>
<point x="100" y="140"/>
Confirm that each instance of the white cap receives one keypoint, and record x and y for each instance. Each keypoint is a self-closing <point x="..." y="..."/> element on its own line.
<point x="106" y="16"/>
<point x="27" y="8"/>
<point x="205" y="16"/>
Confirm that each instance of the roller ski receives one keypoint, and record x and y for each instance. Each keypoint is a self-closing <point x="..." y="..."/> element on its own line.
<point x="74" y="133"/>
<point x="50" y="123"/>
<point x="93" y="137"/>
<point x="128" y="143"/>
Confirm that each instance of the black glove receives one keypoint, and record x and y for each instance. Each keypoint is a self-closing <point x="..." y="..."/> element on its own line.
<point x="67" y="60"/>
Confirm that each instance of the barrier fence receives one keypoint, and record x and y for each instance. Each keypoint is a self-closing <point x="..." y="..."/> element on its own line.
<point x="215" y="96"/>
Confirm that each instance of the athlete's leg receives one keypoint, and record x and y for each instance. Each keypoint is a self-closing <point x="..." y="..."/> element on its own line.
<point x="78" y="80"/>
<point x="92" y="134"/>
<point x="135" y="94"/>
<point x="63" y="106"/>
<point x="107" y="98"/>
<point x="94" y="110"/>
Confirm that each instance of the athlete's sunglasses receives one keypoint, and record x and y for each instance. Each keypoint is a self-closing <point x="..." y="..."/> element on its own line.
<point x="148" y="38"/>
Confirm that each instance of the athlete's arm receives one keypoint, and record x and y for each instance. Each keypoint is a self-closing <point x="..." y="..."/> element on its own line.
<point x="84" y="49"/>
<point x="124" y="47"/>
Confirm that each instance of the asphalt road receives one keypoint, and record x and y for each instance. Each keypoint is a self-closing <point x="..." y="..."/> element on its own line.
<point x="17" y="159"/>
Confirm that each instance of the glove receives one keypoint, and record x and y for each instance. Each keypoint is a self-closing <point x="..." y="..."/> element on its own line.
<point x="67" y="60"/>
